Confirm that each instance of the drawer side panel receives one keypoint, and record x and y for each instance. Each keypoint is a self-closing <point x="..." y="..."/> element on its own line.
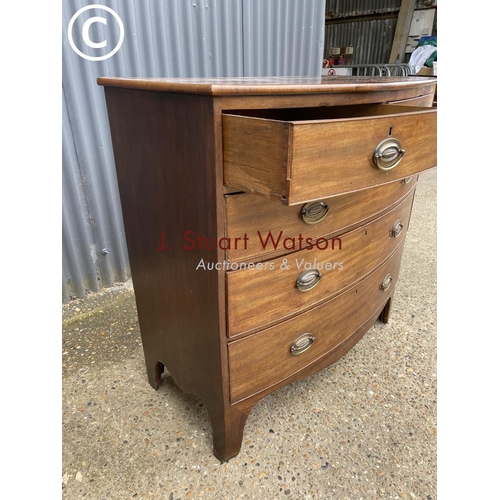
<point x="254" y="154"/>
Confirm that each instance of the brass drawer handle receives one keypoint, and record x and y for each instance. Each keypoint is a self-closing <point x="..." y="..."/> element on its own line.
<point x="388" y="154"/>
<point x="386" y="283"/>
<point x="301" y="344"/>
<point x="406" y="180"/>
<point x="397" y="228"/>
<point x="314" y="211"/>
<point x="307" y="280"/>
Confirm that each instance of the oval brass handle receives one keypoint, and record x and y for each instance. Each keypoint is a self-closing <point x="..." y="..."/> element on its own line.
<point x="301" y="344"/>
<point x="307" y="280"/>
<point x="406" y="180"/>
<point x="397" y="228"/>
<point x="388" y="154"/>
<point x="386" y="283"/>
<point x="314" y="211"/>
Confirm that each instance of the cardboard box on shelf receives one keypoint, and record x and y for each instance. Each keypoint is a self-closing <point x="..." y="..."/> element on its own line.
<point x="425" y="71"/>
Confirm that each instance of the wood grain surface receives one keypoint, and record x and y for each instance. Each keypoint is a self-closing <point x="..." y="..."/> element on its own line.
<point x="259" y="361"/>
<point x="249" y="214"/>
<point x="325" y="156"/>
<point x="259" y="297"/>
<point x="183" y="149"/>
<point x="269" y="85"/>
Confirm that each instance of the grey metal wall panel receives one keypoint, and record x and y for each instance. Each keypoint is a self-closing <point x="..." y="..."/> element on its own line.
<point x="372" y="40"/>
<point x="346" y="8"/>
<point x="76" y="225"/>
<point x="178" y="38"/>
<point x="283" y="37"/>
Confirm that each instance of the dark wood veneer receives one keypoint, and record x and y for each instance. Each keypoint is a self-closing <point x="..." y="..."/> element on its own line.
<point x="168" y="141"/>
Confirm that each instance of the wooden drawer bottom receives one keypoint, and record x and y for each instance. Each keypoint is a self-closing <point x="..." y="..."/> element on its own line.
<point x="262" y="360"/>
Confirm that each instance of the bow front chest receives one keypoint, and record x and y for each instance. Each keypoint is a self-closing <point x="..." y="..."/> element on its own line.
<point x="265" y="221"/>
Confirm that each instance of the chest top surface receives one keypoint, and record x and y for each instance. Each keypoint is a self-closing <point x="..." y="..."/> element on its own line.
<point x="227" y="86"/>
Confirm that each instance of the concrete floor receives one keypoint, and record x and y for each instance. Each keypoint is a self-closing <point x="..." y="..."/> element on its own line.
<point x="364" y="428"/>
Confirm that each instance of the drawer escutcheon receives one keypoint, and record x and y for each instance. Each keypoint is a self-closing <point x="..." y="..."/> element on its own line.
<point x="388" y="154"/>
<point x="307" y="280"/>
<point x="314" y="211"/>
<point x="302" y="343"/>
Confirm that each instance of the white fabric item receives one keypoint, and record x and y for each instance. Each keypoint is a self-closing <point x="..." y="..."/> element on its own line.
<point x="419" y="56"/>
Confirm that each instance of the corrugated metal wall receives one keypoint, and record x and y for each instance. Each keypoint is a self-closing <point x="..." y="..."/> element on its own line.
<point x="349" y="8"/>
<point x="160" y="38"/>
<point x="367" y="25"/>
<point x="283" y="37"/>
<point x="371" y="39"/>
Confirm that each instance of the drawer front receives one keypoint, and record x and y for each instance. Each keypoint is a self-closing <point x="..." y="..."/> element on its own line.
<point x="250" y="218"/>
<point x="311" y="155"/>
<point x="424" y="101"/>
<point x="258" y="297"/>
<point x="262" y="360"/>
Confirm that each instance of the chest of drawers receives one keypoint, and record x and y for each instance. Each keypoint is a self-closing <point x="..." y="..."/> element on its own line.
<point x="265" y="223"/>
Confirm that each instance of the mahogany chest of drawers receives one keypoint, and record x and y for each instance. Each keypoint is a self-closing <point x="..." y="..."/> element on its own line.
<point x="265" y="223"/>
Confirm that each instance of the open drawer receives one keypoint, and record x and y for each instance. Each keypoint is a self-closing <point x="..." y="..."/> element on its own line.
<point x="311" y="153"/>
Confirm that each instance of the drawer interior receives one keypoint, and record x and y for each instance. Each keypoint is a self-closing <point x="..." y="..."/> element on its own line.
<point x="328" y="112"/>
